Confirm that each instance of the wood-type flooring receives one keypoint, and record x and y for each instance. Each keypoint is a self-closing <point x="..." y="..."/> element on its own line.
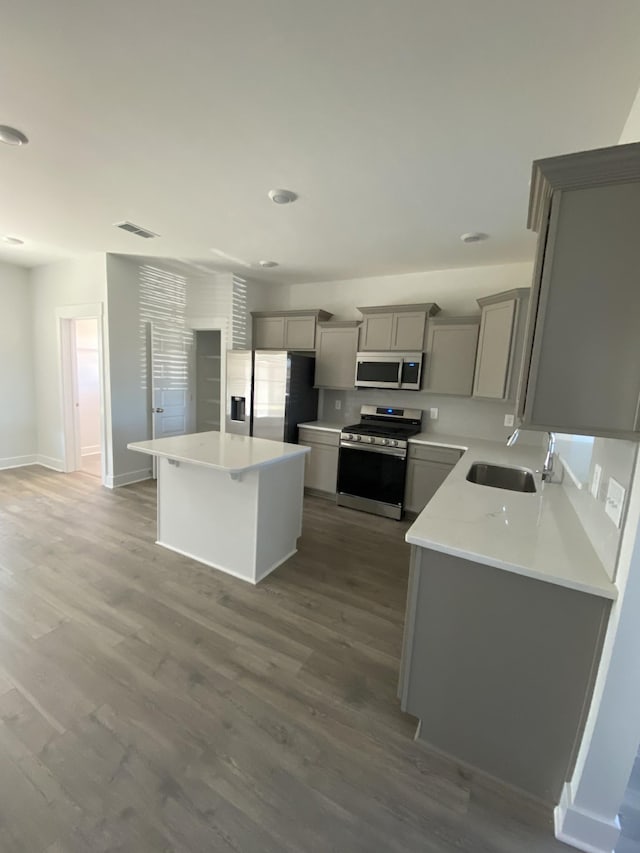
<point x="149" y="704"/>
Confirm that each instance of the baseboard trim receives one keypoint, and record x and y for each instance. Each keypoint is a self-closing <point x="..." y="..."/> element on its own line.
<point x="582" y="829"/>
<point x="227" y="571"/>
<point x="50" y="462"/>
<point x="527" y="807"/>
<point x="90" y="450"/>
<point x="18" y="461"/>
<point x="127" y="479"/>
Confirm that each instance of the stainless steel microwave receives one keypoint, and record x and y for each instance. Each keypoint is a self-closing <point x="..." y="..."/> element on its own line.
<point x="389" y="370"/>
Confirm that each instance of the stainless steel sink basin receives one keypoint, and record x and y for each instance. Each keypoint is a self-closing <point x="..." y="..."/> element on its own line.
<point x="501" y="477"/>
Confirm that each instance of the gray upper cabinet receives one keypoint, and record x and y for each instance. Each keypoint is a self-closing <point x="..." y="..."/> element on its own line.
<point x="500" y="344"/>
<point x="395" y="327"/>
<point x="581" y="367"/>
<point x="268" y="333"/>
<point x="291" y="330"/>
<point x="336" y="348"/>
<point x="451" y="355"/>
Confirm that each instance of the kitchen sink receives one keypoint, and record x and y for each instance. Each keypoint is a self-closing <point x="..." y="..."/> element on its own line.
<point x="501" y="477"/>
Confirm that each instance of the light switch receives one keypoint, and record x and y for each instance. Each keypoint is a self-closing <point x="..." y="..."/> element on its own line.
<point x="595" y="481"/>
<point x="615" y="501"/>
<point x="338" y="404"/>
<point x="508" y="420"/>
<point x="433" y="414"/>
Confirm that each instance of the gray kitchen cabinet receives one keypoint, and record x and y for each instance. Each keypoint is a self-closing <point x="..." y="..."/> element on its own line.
<point x="451" y="355"/>
<point x="499" y="668"/>
<point x="427" y="468"/>
<point x="581" y="364"/>
<point x="268" y="333"/>
<point x="291" y="330"/>
<point x="336" y="348"/>
<point x="500" y="344"/>
<point x="395" y="327"/>
<point x="321" y="465"/>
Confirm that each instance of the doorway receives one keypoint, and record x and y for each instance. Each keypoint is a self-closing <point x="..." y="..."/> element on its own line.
<point x="82" y="394"/>
<point x="87" y="404"/>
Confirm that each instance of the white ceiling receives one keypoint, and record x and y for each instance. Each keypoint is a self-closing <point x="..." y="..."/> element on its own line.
<point x="400" y="124"/>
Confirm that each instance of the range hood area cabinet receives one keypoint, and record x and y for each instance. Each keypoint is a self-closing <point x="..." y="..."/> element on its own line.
<point x="286" y="330"/>
<point x="581" y="365"/>
<point x="336" y="349"/>
<point x="395" y="327"/>
<point x="500" y="343"/>
<point x="451" y="355"/>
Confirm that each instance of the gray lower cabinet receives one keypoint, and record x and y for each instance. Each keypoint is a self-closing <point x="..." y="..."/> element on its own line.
<point x="581" y="370"/>
<point x="500" y="344"/>
<point x="499" y="668"/>
<point x="451" y="355"/>
<point x="321" y="465"/>
<point x="336" y="348"/>
<point x="427" y="468"/>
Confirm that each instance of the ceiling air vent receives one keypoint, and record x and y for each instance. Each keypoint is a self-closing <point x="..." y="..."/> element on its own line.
<point x="136" y="229"/>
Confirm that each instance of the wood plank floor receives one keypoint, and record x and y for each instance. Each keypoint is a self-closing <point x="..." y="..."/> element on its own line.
<point x="151" y="704"/>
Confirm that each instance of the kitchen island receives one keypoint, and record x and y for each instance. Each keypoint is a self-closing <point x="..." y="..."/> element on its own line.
<point x="232" y="502"/>
<point x="507" y="609"/>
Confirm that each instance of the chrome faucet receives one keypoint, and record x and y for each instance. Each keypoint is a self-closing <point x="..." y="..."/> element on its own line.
<point x="515" y="435"/>
<point x="547" y="468"/>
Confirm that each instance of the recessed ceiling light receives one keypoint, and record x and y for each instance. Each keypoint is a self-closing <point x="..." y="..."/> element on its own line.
<point x="282" y="196"/>
<point x="268" y="264"/>
<point x="13" y="241"/>
<point x="474" y="237"/>
<point x="11" y="136"/>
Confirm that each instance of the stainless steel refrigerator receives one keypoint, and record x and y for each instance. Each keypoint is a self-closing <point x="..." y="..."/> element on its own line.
<point x="269" y="392"/>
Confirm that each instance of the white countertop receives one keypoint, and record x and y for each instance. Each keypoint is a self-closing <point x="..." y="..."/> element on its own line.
<point x="536" y="534"/>
<point x="234" y="454"/>
<point x="327" y="426"/>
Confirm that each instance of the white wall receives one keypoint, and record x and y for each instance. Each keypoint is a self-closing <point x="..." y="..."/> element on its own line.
<point x="455" y="290"/>
<point x="130" y="406"/>
<point x="18" y="442"/>
<point x="63" y="284"/>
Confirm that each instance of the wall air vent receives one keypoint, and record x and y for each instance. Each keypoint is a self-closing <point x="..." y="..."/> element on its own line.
<point x="136" y="229"/>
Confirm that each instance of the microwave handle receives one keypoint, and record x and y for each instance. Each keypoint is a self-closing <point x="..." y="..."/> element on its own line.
<point x="400" y="366"/>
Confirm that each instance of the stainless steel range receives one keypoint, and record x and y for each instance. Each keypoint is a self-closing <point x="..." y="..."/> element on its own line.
<point x="372" y="465"/>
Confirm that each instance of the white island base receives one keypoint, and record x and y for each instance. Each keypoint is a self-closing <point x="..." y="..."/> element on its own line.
<point x="242" y="516"/>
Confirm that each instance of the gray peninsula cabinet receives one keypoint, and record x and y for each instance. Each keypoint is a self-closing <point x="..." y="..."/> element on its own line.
<point x="336" y="348"/>
<point x="499" y="668"/>
<point x="581" y="365"/>
<point x="291" y="330"/>
<point x="395" y="327"/>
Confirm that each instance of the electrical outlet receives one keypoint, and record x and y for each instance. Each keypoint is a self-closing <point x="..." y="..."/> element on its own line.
<point x="615" y="501"/>
<point x="338" y="404"/>
<point x="509" y="420"/>
<point x="433" y="414"/>
<point x="595" y="481"/>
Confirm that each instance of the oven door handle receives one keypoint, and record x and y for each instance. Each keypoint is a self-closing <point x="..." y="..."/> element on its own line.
<point x="369" y="448"/>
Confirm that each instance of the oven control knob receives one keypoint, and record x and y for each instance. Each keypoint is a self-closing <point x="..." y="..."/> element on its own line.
<point x="370" y="439"/>
<point x="393" y="443"/>
<point x="385" y="441"/>
<point x="358" y="437"/>
<point x="349" y="436"/>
